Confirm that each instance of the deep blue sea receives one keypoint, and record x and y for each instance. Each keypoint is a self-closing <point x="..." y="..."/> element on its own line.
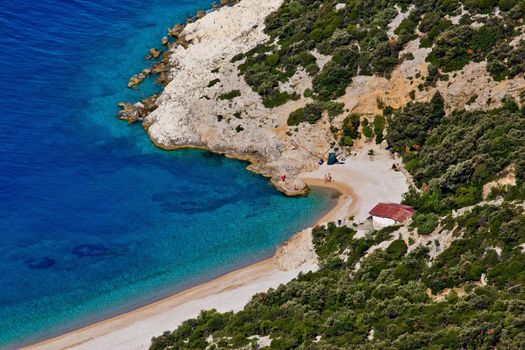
<point x="94" y="220"/>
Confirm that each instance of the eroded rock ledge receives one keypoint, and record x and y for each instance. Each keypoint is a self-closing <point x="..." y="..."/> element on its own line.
<point x="194" y="112"/>
<point x="208" y="104"/>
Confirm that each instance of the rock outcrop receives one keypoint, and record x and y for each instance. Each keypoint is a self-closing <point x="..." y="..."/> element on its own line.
<point x="199" y="71"/>
<point x="191" y="114"/>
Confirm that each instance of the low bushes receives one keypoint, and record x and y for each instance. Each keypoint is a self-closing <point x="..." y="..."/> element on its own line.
<point x="425" y="223"/>
<point x="389" y="293"/>
<point x="337" y="74"/>
<point x="312" y="112"/>
<point x="379" y="126"/>
<point x="230" y="95"/>
<point x="213" y="82"/>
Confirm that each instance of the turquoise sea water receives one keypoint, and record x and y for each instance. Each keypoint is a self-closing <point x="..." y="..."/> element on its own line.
<point x="94" y="220"/>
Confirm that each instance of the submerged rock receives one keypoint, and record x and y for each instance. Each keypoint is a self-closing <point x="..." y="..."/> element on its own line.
<point x="133" y="113"/>
<point x="161" y="67"/>
<point x="200" y="14"/>
<point x="85" y="250"/>
<point x="40" y="263"/>
<point x="135" y="80"/>
<point x="128" y="113"/>
<point x="176" y="30"/>
<point x="153" y="53"/>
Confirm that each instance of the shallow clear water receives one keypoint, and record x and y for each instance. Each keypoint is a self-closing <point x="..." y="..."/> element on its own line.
<point x="93" y="219"/>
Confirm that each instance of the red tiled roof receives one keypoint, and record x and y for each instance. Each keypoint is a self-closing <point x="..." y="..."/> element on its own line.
<point x="394" y="211"/>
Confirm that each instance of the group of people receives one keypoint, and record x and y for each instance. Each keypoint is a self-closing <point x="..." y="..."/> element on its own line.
<point x="294" y="187"/>
<point x="328" y="178"/>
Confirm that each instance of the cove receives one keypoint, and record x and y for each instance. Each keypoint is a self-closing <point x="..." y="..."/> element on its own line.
<point x="94" y="220"/>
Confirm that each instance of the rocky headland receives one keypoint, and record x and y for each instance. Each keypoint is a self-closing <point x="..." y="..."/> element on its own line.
<point x="207" y="103"/>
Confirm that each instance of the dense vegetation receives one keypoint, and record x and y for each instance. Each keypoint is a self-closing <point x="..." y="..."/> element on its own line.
<point x="455" y="156"/>
<point x="356" y="41"/>
<point x="230" y="95"/>
<point x="467" y="294"/>
<point x="386" y="303"/>
<point x="419" y="291"/>
<point x="312" y="112"/>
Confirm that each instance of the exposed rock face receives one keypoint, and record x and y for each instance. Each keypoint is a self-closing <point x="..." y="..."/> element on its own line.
<point x="296" y="252"/>
<point x="473" y="81"/>
<point x="191" y="114"/>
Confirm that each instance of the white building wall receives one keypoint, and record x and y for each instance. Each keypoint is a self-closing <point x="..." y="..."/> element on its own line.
<point x="379" y="222"/>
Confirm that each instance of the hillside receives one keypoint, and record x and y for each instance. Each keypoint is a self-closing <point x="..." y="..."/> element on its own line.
<point x="278" y="91"/>
<point x="440" y="83"/>
<point x="449" y="280"/>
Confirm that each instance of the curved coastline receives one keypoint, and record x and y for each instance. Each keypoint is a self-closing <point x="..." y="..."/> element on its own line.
<point x="360" y="182"/>
<point x="229" y="292"/>
<point x="243" y="282"/>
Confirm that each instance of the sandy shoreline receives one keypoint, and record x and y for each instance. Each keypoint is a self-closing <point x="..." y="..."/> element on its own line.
<point x="362" y="182"/>
<point x="229" y="292"/>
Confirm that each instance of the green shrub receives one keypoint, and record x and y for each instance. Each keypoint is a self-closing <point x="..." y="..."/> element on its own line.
<point x="351" y="126"/>
<point x="311" y="113"/>
<point x="308" y="92"/>
<point x="471" y="100"/>
<point x="379" y="126"/>
<point x="213" y="82"/>
<point x="296" y="117"/>
<point x="272" y="60"/>
<point x="397" y="249"/>
<point x="238" y="57"/>
<point x="367" y="132"/>
<point x="406" y="29"/>
<point x="337" y="74"/>
<point x="276" y="99"/>
<point x="230" y="95"/>
<point x="334" y="108"/>
<point x="347" y="141"/>
<point x="411" y="126"/>
<point x="425" y="223"/>
<point x="457" y="155"/>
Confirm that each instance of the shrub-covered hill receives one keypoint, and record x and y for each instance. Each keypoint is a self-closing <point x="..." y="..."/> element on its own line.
<point x="472" y="296"/>
<point x="356" y="37"/>
<point x="446" y="281"/>
<point x="457" y="155"/>
<point x="452" y="279"/>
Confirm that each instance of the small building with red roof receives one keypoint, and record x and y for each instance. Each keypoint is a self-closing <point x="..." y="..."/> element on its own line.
<point x="388" y="214"/>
